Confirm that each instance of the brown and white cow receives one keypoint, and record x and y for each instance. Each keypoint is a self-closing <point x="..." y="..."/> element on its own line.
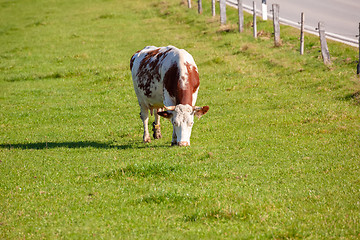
<point x="167" y="78"/>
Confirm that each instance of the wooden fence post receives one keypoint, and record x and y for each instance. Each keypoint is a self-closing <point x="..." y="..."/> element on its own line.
<point x="213" y="7"/>
<point x="254" y="20"/>
<point x="302" y="34"/>
<point x="222" y="12"/>
<point x="241" y="16"/>
<point x="358" y="66"/>
<point x="200" y="7"/>
<point x="264" y="10"/>
<point x="324" y="48"/>
<point x="189" y="3"/>
<point x="275" y="10"/>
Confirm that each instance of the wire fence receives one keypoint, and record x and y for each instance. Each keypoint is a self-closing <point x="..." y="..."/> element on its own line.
<point x="320" y="30"/>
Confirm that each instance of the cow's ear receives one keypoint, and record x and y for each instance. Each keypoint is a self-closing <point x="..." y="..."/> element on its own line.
<point x="165" y="114"/>
<point x="199" y="111"/>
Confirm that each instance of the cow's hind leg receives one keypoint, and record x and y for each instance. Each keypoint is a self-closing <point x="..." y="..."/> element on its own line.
<point x="156" y="126"/>
<point x="144" y="115"/>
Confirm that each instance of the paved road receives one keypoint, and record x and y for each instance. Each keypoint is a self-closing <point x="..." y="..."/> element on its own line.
<point x="341" y="17"/>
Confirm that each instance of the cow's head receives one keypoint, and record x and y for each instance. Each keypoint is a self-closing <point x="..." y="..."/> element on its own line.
<point x="182" y="119"/>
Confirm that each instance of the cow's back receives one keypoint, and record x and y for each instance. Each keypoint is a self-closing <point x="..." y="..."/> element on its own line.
<point x="164" y="75"/>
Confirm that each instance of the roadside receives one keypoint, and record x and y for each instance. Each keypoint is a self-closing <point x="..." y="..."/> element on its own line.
<point x="340" y="25"/>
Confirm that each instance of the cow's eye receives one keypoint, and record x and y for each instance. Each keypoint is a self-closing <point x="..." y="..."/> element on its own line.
<point x="190" y="124"/>
<point x="176" y="123"/>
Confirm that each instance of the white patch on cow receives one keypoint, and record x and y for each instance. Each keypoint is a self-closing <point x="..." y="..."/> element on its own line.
<point x="183" y="71"/>
<point x="194" y="96"/>
<point x="183" y="82"/>
<point x="168" y="100"/>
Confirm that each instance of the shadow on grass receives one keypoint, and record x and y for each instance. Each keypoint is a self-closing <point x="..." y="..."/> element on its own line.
<point x="79" y="144"/>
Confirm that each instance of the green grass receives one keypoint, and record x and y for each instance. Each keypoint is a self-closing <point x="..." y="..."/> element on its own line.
<point x="276" y="157"/>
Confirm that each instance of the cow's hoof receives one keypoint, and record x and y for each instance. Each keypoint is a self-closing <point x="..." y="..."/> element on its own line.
<point x="183" y="144"/>
<point x="157" y="135"/>
<point x="173" y="144"/>
<point x="156" y="130"/>
<point x="147" y="140"/>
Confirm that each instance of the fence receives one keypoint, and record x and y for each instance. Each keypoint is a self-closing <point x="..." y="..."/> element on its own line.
<point x="276" y="23"/>
<point x="307" y="28"/>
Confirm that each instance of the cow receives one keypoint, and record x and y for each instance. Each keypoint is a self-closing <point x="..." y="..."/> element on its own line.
<point x="166" y="83"/>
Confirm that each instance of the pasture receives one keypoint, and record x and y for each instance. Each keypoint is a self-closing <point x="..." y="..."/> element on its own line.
<point x="276" y="157"/>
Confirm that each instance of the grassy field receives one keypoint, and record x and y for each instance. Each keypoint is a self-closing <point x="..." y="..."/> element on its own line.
<point x="276" y="157"/>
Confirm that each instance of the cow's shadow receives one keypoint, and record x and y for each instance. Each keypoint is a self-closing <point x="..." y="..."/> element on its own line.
<point x="75" y="144"/>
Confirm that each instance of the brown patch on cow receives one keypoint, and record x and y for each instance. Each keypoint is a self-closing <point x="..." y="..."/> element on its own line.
<point x="148" y="56"/>
<point x="193" y="77"/>
<point x="171" y="80"/>
<point x="193" y="82"/>
<point x="148" y="71"/>
<point x="184" y="96"/>
<point x="172" y="83"/>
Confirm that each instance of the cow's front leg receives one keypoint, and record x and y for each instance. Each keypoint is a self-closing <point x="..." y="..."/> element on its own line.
<point x="174" y="138"/>
<point x="144" y="115"/>
<point x="156" y="126"/>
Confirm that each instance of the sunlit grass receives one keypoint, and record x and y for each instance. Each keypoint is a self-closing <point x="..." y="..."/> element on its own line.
<point x="277" y="155"/>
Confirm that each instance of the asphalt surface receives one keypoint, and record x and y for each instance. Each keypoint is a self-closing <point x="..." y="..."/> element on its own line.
<point x="341" y="17"/>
